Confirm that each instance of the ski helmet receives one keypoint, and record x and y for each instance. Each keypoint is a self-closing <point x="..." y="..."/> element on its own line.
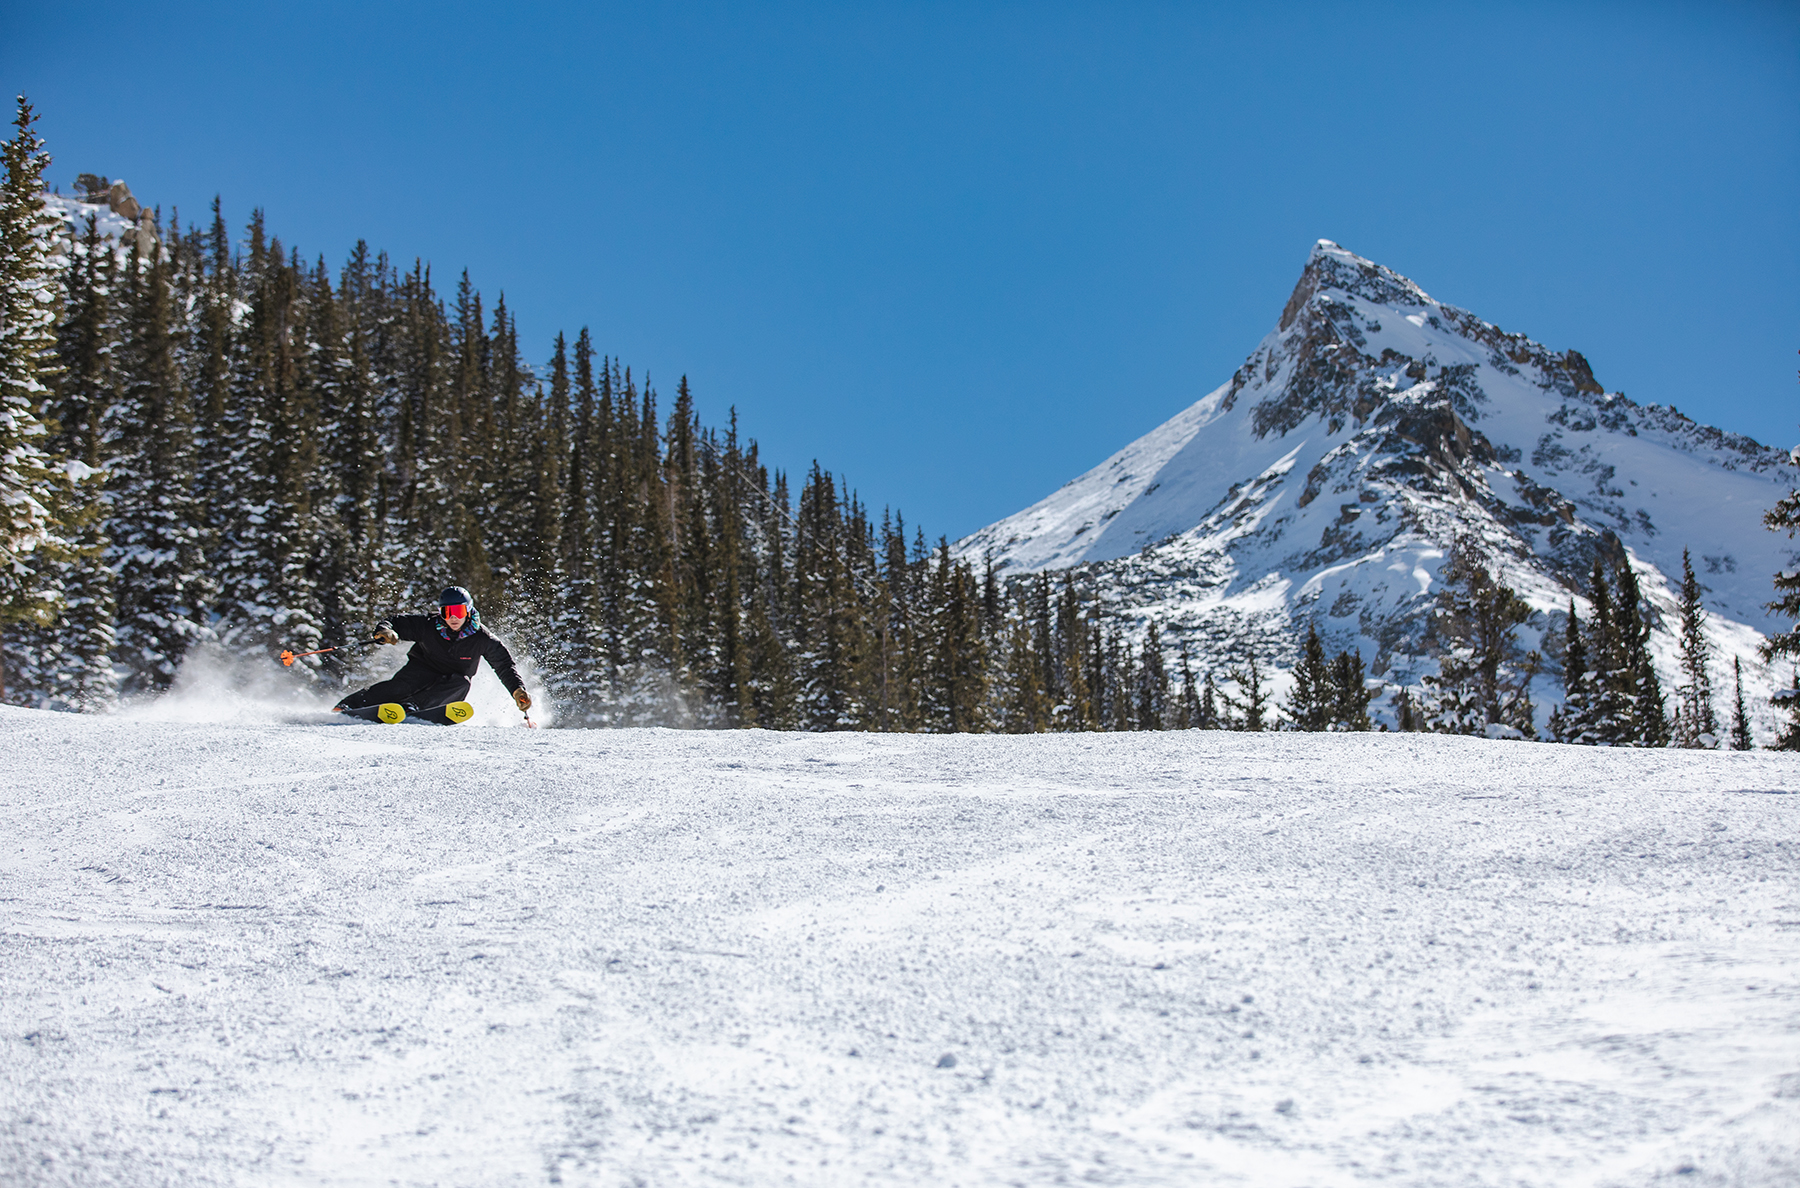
<point x="456" y="596"/>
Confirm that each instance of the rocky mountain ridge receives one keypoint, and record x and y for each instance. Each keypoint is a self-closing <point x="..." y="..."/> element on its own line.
<point x="1374" y="425"/>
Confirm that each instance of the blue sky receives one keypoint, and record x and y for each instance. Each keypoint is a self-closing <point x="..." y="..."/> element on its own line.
<point x="961" y="252"/>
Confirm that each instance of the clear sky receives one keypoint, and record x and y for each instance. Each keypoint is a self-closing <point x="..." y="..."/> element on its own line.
<point x="960" y="252"/>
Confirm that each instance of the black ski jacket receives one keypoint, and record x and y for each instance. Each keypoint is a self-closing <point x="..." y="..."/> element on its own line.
<point x="455" y="657"/>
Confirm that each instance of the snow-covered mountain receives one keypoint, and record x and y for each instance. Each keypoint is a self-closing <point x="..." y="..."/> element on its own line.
<point x="1372" y="426"/>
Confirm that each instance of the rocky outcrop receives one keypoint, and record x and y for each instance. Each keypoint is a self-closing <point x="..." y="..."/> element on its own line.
<point x="116" y="196"/>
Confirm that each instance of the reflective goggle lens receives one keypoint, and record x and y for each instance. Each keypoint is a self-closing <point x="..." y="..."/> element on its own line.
<point x="458" y="610"/>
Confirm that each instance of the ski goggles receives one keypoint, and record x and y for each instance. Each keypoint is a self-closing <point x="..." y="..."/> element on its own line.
<point x="457" y="610"/>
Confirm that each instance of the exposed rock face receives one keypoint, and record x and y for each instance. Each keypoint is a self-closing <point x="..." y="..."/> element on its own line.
<point x="117" y="197"/>
<point x="1373" y="426"/>
<point x="122" y="203"/>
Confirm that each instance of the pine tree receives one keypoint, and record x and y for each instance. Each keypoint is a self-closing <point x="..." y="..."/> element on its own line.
<point x="1608" y="712"/>
<point x="576" y="534"/>
<point x="956" y="688"/>
<point x="1406" y="713"/>
<point x="1788" y="700"/>
<point x="1190" y="695"/>
<point x="1740" y="725"/>
<point x="1117" y="679"/>
<point x="1209" y="707"/>
<point x="66" y="663"/>
<point x="1785" y="517"/>
<point x="1642" y="692"/>
<point x="1249" y="708"/>
<point x="1072" y="672"/>
<point x="1350" y="694"/>
<point x="155" y="542"/>
<point x="1482" y="680"/>
<point x="1020" y="706"/>
<point x="34" y="491"/>
<point x="1570" y="721"/>
<point x="355" y="457"/>
<point x="1695" y="724"/>
<point x="1310" y="702"/>
<point x="1152" y="685"/>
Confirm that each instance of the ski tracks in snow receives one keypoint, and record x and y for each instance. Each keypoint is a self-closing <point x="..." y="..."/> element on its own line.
<point x="245" y="954"/>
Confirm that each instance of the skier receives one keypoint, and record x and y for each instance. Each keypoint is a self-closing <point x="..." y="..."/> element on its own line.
<point x="447" y="650"/>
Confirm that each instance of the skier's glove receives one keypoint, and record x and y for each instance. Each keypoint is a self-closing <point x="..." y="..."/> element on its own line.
<point x="522" y="699"/>
<point x="384" y="631"/>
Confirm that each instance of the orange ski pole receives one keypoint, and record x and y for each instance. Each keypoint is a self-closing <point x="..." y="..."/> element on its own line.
<point x="288" y="657"/>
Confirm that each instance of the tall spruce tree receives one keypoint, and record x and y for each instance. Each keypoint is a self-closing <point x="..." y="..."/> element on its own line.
<point x="34" y="489"/>
<point x="1740" y="725"/>
<point x="1571" y="720"/>
<point x="1190" y="694"/>
<point x="1154" y="708"/>
<point x="1639" y="687"/>
<point x="1310" y="702"/>
<point x="1785" y="517"/>
<point x="1484" y="677"/>
<point x="66" y="662"/>
<point x="1350" y="694"/>
<point x="1695" y="724"/>
<point x="1607" y="717"/>
<point x="155" y="546"/>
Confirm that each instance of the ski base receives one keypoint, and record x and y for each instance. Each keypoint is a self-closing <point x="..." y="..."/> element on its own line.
<point x="391" y="713"/>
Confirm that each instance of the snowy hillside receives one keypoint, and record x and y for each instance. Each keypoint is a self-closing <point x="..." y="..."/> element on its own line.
<point x="1366" y="432"/>
<point x="116" y="224"/>
<point x="248" y="953"/>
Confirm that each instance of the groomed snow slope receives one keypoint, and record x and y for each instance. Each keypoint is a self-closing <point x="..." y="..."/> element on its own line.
<point x="352" y="955"/>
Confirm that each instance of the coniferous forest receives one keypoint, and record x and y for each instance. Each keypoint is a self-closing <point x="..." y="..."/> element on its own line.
<point x="213" y="442"/>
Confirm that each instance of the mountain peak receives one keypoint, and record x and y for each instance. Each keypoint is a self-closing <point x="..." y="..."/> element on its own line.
<point x="1326" y="480"/>
<point x="1330" y="266"/>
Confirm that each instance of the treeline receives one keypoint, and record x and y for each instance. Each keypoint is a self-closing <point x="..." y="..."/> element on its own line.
<point x="211" y="442"/>
<point x="239" y="447"/>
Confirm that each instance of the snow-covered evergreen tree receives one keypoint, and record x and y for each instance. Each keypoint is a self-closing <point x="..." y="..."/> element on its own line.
<point x="34" y="489"/>
<point x="1640" y="690"/>
<point x="1740" y="724"/>
<point x="1483" y="678"/>
<point x="155" y="543"/>
<point x="1154" y="709"/>
<point x="1785" y="517"/>
<point x="66" y="663"/>
<point x="1695" y="724"/>
<point x="1788" y="701"/>
<point x="1569" y="721"/>
<point x="1612" y="694"/>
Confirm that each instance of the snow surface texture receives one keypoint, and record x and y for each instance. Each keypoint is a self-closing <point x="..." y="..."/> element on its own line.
<point x="1373" y="426"/>
<point x="358" y="955"/>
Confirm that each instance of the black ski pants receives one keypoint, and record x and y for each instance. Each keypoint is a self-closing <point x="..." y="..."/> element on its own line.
<point x="415" y="686"/>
